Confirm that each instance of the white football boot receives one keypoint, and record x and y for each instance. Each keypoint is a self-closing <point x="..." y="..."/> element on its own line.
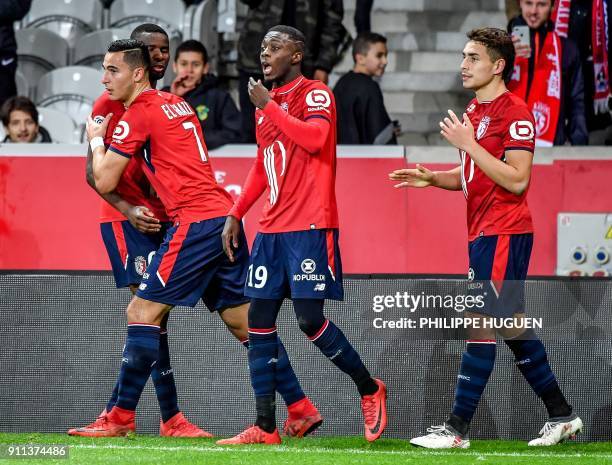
<point x="554" y="432"/>
<point x="441" y="437"/>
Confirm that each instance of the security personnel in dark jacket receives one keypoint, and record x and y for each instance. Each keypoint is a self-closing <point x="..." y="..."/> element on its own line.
<point x="10" y="11"/>
<point x="319" y="20"/>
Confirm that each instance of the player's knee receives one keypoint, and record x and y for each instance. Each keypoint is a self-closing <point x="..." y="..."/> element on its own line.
<point x="308" y="326"/>
<point x="479" y="330"/>
<point x="146" y="311"/>
<point x="235" y="318"/>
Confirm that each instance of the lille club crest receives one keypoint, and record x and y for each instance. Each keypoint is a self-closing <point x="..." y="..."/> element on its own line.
<point x="140" y="263"/>
<point x="541" y="114"/>
<point x="482" y="127"/>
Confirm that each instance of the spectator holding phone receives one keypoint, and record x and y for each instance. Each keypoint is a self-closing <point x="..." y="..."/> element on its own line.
<point x="362" y="117"/>
<point x="548" y="76"/>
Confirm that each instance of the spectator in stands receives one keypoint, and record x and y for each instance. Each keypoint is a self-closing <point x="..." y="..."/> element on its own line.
<point x="20" y="119"/>
<point x="583" y="33"/>
<point x="362" y="117"/>
<point x="556" y="97"/>
<point x="10" y="11"/>
<point x="321" y="23"/>
<point x="217" y="112"/>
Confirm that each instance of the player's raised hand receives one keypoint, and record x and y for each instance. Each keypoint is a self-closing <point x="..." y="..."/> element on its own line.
<point x="97" y="128"/>
<point x="258" y="94"/>
<point x="230" y="235"/>
<point x="413" y="177"/>
<point x="458" y="133"/>
<point x="143" y="219"/>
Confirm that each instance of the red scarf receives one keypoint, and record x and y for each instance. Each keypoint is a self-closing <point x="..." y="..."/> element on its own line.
<point x="560" y="16"/>
<point x="544" y="96"/>
<point x="600" y="56"/>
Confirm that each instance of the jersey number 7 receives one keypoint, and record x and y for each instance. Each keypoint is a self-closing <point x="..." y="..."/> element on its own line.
<point x="189" y="125"/>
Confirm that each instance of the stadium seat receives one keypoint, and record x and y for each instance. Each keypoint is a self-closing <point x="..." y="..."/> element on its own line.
<point x="61" y="127"/>
<point x="23" y="87"/>
<point x="70" y="19"/>
<point x="71" y="90"/>
<point x="167" y="13"/>
<point x="226" y="16"/>
<point x="90" y="49"/>
<point x="201" y="24"/>
<point x="39" y="52"/>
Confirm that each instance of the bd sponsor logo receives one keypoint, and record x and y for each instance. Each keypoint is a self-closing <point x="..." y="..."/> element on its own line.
<point x="121" y="131"/>
<point x="318" y="100"/>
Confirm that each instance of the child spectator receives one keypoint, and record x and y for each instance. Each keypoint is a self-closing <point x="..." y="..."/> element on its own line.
<point x="217" y="112"/>
<point x="362" y="117"/>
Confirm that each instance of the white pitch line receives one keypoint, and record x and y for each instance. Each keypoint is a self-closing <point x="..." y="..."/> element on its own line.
<point x="309" y="450"/>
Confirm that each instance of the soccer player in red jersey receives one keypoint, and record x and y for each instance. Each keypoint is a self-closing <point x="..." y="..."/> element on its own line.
<point x="494" y="174"/>
<point x="295" y="254"/>
<point x="133" y="222"/>
<point x="163" y="131"/>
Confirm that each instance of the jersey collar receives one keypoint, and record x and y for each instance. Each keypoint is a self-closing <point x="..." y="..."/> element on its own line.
<point x="491" y="101"/>
<point x="290" y="86"/>
<point x="144" y="92"/>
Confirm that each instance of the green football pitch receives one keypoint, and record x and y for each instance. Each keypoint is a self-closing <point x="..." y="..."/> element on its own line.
<point x="310" y="451"/>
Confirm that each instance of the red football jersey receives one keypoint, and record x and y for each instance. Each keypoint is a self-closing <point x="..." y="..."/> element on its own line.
<point x="133" y="185"/>
<point x="502" y="124"/>
<point x="163" y="129"/>
<point x="300" y="184"/>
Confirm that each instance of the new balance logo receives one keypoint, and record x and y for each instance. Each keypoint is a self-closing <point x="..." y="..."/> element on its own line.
<point x="523" y="362"/>
<point x="466" y="378"/>
<point x="272" y="360"/>
<point x="319" y="287"/>
<point x="124" y="360"/>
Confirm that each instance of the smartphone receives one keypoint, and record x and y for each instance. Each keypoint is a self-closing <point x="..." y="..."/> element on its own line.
<point x="522" y="32"/>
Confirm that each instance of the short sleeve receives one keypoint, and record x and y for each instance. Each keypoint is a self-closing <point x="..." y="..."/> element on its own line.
<point x="318" y="102"/>
<point x="520" y="129"/>
<point x="130" y="133"/>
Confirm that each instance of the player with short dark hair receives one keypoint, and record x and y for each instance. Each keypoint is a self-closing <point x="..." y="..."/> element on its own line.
<point x="162" y="130"/>
<point x="295" y="254"/>
<point x="494" y="174"/>
<point x="133" y="222"/>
